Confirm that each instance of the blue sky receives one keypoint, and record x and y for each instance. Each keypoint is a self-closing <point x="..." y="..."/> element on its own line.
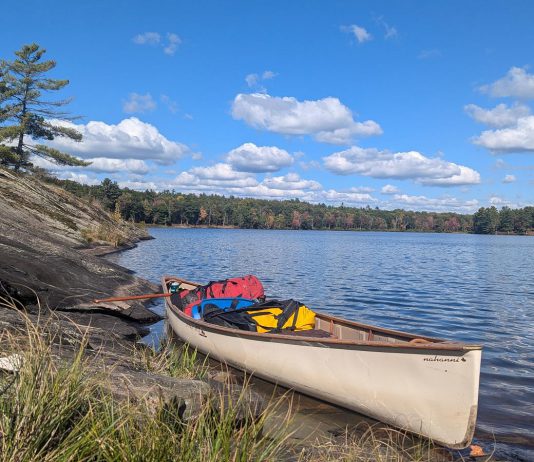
<point x="415" y="104"/>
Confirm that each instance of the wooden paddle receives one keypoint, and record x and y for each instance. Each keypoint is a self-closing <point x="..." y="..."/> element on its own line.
<point x="131" y="297"/>
<point x="174" y="286"/>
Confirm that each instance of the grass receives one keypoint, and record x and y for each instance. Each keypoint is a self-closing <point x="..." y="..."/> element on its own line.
<point x="173" y="360"/>
<point x="375" y="443"/>
<point x="104" y="232"/>
<point x="56" y="410"/>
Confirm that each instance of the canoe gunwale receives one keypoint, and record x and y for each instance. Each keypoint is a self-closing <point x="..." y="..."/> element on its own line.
<point x="434" y="344"/>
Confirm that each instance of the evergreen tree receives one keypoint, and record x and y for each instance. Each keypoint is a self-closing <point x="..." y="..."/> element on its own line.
<point x="25" y="114"/>
<point x="506" y="220"/>
<point x="110" y="193"/>
<point x="485" y="220"/>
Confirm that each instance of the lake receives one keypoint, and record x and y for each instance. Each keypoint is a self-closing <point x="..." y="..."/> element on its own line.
<point x="473" y="288"/>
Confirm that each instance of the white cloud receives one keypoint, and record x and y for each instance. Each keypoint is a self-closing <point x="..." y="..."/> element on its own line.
<point x="170" y="45"/>
<point x="220" y="172"/>
<point x="129" y="139"/>
<point x="361" y="189"/>
<point x="105" y="165"/>
<point x="218" y="178"/>
<point x="445" y="203"/>
<point x="148" y="38"/>
<point x="251" y="158"/>
<point x="41" y="162"/>
<point x="389" y="189"/>
<point x="348" y="198"/>
<point x="222" y="179"/>
<point x="403" y="165"/>
<point x="516" y="83"/>
<point x="138" y="103"/>
<point x="509" y="179"/>
<point x="141" y="185"/>
<point x="292" y="186"/>
<point x="98" y="164"/>
<point x="267" y="75"/>
<point x="502" y="202"/>
<point x="465" y="176"/>
<point x="263" y="191"/>
<point x="291" y="181"/>
<point x="389" y="31"/>
<point x="78" y="177"/>
<point x="346" y="135"/>
<point x="500" y="116"/>
<point x="327" y="119"/>
<point x="254" y="80"/>
<point x="513" y="139"/>
<point x="360" y="33"/>
<point x="173" y="41"/>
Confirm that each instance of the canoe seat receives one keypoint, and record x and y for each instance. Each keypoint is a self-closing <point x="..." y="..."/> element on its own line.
<point x="315" y="333"/>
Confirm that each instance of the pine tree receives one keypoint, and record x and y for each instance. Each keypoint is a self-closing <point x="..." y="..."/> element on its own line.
<point x="25" y="114"/>
<point x="506" y="220"/>
<point x="485" y="220"/>
<point x="110" y="193"/>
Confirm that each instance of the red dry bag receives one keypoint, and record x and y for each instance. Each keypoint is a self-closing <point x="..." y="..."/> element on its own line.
<point x="244" y="287"/>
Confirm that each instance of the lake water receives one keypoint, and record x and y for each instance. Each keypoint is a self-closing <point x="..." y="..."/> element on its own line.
<point x="473" y="288"/>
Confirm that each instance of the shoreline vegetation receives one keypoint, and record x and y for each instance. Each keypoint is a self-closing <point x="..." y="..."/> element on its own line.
<point x="65" y="401"/>
<point x="183" y="226"/>
<point x="170" y="208"/>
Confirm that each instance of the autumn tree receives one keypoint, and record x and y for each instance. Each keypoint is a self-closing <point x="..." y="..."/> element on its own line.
<point x="26" y="114"/>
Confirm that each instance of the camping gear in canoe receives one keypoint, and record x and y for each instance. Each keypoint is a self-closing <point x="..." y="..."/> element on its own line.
<point x="244" y="287"/>
<point x="271" y="316"/>
<point x="425" y="385"/>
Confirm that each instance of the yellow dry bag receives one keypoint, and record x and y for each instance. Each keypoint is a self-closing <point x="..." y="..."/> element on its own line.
<point x="278" y="316"/>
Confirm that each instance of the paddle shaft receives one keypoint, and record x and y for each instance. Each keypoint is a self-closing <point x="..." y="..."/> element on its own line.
<point x="131" y="297"/>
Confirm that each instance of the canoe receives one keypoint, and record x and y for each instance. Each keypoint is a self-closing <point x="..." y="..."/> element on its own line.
<point x="424" y="385"/>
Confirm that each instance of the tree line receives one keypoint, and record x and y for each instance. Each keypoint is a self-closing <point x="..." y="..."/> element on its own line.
<point x="505" y="221"/>
<point x="175" y="208"/>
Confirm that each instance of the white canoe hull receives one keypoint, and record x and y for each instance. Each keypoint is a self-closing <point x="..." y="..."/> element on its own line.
<point x="427" y="391"/>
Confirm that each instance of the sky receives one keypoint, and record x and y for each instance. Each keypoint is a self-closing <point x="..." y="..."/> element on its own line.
<point x="421" y="105"/>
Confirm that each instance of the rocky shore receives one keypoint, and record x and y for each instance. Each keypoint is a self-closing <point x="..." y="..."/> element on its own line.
<point x="50" y="261"/>
<point x="51" y="270"/>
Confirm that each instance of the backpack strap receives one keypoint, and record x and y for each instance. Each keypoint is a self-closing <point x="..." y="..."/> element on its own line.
<point x="213" y="314"/>
<point x="291" y="307"/>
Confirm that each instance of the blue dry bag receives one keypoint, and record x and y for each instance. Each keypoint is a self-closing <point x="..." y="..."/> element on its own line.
<point x="225" y="304"/>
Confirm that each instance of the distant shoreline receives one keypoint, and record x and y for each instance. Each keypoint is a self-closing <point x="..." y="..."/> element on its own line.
<point x="181" y="226"/>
